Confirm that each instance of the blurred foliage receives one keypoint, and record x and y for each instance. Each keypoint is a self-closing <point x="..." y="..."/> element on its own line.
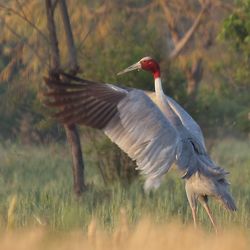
<point x="236" y="34"/>
<point x="236" y="31"/>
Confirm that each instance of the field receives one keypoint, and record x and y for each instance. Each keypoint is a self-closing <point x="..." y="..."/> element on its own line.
<point x="39" y="211"/>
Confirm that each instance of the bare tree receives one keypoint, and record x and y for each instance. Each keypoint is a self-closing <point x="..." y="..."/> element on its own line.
<point x="195" y="70"/>
<point x="71" y="131"/>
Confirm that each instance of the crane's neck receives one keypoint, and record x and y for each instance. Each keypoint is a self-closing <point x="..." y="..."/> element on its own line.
<point x="156" y="72"/>
<point x="163" y="104"/>
<point x="158" y="88"/>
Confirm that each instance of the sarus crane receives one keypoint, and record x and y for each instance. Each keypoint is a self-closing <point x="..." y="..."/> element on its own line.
<point x="152" y="128"/>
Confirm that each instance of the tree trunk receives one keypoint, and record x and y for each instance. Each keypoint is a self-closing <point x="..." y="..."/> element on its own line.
<point x="194" y="76"/>
<point x="73" y="65"/>
<point x="77" y="164"/>
<point x="54" y="50"/>
<point x="71" y="131"/>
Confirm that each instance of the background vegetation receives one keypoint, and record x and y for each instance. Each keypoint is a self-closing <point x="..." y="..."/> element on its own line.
<point x="109" y="40"/>
<point x="210" y="78"/>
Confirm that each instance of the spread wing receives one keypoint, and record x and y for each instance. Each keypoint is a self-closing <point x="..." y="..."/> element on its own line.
<point x="128" y="117"/>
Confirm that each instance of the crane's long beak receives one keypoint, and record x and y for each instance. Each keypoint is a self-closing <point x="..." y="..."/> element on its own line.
<point x="130" y="68"/>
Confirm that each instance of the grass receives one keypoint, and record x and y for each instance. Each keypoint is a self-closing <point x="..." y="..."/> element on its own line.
<point x="145" y="235"/>
<point x="36" y="190"/>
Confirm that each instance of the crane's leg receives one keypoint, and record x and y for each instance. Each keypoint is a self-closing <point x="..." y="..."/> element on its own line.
<point x="204" y="203"/>
<point x="194" y="216"/>
<point x="210" y="217"/>
<point x="192" y="200"/>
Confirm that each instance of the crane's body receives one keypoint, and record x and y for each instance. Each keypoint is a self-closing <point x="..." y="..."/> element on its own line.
<point x="152" y="128"/>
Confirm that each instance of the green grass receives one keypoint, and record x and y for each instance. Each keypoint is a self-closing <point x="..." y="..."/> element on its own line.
<point x="40" y="177"/>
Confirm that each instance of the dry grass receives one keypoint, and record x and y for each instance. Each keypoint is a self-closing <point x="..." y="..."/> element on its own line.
<point x="11" y="213"/>
<point x="145" y="235"/>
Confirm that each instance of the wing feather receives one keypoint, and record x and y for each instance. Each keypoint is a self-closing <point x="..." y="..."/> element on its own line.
<point x="187" y="121"/>
<point x="144" y="133"/>
<point x="85" y="102"/>
<point x="128" y="117"/>
<point x="193" y="130"/>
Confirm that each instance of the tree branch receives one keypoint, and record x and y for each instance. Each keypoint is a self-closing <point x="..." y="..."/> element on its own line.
<point x="142" y="9"/>
<point x="54" y="4"/>
<point x="226" y="6"/>
<point x="69" y="38"/>
<point x="55" y="54"/>
<point x="25" y="19"/>
<point x="185" y="39"/>
<point x="24" y="40"/>
<point x="170" y="21"/>
<point x="90" y="30"/>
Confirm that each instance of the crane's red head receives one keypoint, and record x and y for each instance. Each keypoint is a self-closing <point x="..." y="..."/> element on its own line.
<point x="146" y="63"/>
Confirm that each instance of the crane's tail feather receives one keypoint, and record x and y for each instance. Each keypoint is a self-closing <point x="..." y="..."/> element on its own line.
<point x="228" y="201"/>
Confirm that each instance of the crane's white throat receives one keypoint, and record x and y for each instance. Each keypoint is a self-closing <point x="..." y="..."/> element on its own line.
<point x="158" y="88"/>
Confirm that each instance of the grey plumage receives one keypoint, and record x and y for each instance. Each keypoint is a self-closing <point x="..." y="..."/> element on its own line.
<point x="192" y="156"/>
<point x="155" y="136"/>
<point x="140" y="129"/>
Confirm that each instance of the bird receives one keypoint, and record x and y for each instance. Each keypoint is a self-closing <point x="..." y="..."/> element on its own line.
<point x="151" y="127"/>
